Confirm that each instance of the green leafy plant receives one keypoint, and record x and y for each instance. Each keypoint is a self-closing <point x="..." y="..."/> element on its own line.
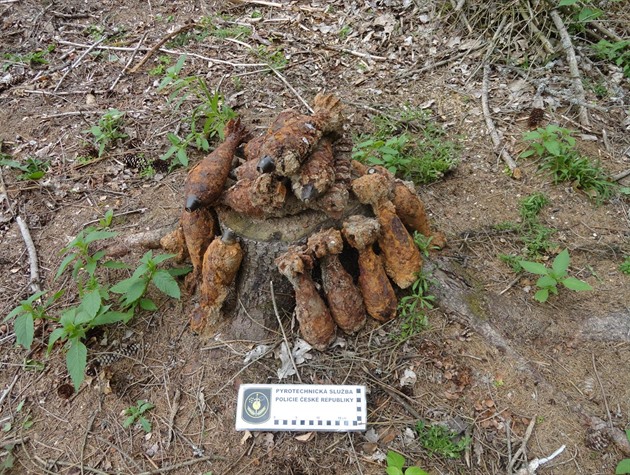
<point x="134" y="288"/>
<point x="396" y="462"/>
<point x="412" y="308"/>
<point x="440" y="440"/>
<point x="556" y="149"/>
<point x="551" y="277"/>
<point x="423" y="157"/>
<point x="623" y="467"/>
<point x="136" y="413"/>
<point x="582" y="12"/>
<point x="274" y="58"/>
<point x="160" y="69"/>
<point x="32" y="59"/>
<point x="625" y="266"/>
<point x="26" y="313"/>
<point x="75" y="323"/>
<point x="618" y="52"/>
<point x="107" y="130"/>
<point x="33" y="168"/>
<point x="95" y="307"/>
<point x="207" y="118"/>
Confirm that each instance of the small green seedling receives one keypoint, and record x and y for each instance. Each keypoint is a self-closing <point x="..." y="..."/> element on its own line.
<point x="75" y="324"/>
<point x="33" y="168"/>
<point x="550" y="278"/>
<point x="625" y="266"/>
<point x="617" y="52"/>
<point x="556" y="149"/>
<point x="396" y="462"/>
<point x="107" y="130"/>
<point x="136" y="413"/>
<point x="135" y="287"/>
<point x="412" y="308"/>
<point x="26" y="313"/>
<point x="440" y="440"/>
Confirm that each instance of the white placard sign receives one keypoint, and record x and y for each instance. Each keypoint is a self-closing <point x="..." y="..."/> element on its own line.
<point x="301" y="407"/>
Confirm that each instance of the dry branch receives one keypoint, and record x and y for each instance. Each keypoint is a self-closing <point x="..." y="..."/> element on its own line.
<point x="576" y="78"/>
<point x="496" y="139"/>
<point x="32" y="255"/>
<point x="159" y="44"/>
<point x="78" y="61"/>
<point x="146" y="239"/>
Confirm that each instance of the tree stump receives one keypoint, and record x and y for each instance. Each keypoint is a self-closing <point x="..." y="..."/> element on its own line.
<point x="250" y="313"/>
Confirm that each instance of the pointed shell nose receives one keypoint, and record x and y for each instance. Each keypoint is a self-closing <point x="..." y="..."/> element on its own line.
<point x="309" y="193"/>
<point x="228" y="236"/>
<point x="192" y="203"/>
<point x="266" y="165"/>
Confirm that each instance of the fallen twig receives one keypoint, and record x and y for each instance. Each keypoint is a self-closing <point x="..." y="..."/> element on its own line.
<point x="621" y="175"/>
<point x="171" y="418"/>
<point x="601" y="387"/>
<point x="159" y="44"/>
<point x="133" y="55"/>
<point x="534" y="464"/>
<point x="284" y="80"/>
<point x="78" y="61"/>
<point x="168" y="51"/>
<point x="523" y="447"/>
<point x="183" y="464"/>
<point x="576" y="78"/>
<point x="32" y="255"/>
<point x="284" y="335"/>
<point x="116" y="215"/>
<point x="147" y="239"/>
<point x="6" y="392"/>
<point x="494" y="135"/>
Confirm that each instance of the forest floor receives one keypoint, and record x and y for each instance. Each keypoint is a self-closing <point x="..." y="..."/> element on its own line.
<point x="566" y="375"/>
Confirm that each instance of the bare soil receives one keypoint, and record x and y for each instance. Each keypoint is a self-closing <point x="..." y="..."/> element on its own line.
<point x="560" y="364"/>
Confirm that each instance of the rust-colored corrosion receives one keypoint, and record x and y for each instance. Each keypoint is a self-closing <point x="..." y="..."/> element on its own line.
<point x="199" y="228"/>
<point x="317" y="174"/>
<point x="409" y="207"/>
<point x="220" y="265"/>
<point x="378" y="294"/>
<point x="284" y="151"/>
<point x="343" y="296"/>
<point x="206" y="180"/>
<point x="316" y="323"/>
<point x="175" y="243"/>
<point x="401" y="256"/>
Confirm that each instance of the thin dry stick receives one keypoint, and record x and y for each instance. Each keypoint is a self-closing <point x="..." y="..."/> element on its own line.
<point x="576" y="78"/>
<point x="120" y="451"/>
<point x="534" y="464"/>
<point x="6" y="392"/>
<point x="621" y="175"/>
<point x="78" y="61"/>
<point x="284" y="335"/>
<point x="602" y="29"/>
<point x="32" y="255"/>
<point x="523" y="447"/>
<point x="85" y="437"/>
<point x="171" y="419"/>
<point x="159" y="44"/>
<point x="133" y="55"/>
<point x="535" y="30"/>
<point x="284" y="80"/>
<point x="601" y="388"/>
<point x="354" y="452"/>
<point x="498" y="146"/>
<point x="116" y="215"/>
<point x="187" y="463"/>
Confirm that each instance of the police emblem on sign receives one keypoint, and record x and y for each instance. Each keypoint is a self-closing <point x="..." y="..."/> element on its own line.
<point x="256" y="405"/>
